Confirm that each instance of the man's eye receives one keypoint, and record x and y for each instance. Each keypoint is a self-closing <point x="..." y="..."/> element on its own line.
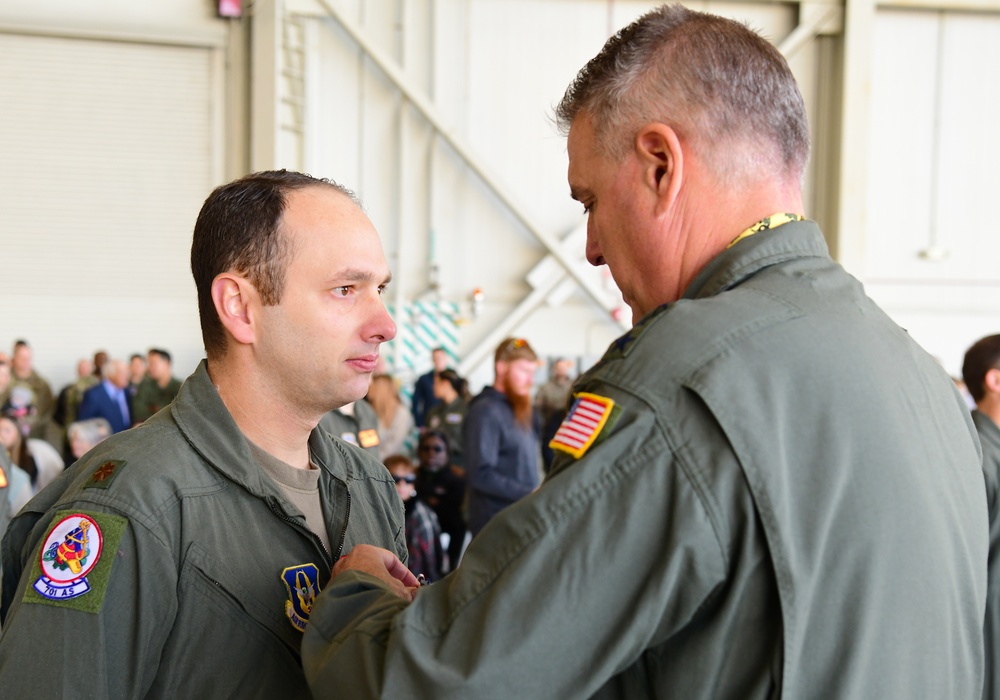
<point x="381" y="289"/>
<point x="341" y="291"/>
<point x="586" y="208"/>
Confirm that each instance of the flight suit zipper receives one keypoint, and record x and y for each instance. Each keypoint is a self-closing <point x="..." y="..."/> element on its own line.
<point x="273" y="505"/>
<point x="343" y="532"/>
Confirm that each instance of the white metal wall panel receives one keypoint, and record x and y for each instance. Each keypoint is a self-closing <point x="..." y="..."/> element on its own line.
<point x="931" y="244"/>
<point x="497" y="68"/>
<point x="107" y="155"/>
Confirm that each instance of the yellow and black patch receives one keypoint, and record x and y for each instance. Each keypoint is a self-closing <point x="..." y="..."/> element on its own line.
<point x="368" y="438"/>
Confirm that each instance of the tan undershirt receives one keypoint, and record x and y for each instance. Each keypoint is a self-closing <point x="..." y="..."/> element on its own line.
<point x="300" y="486"/>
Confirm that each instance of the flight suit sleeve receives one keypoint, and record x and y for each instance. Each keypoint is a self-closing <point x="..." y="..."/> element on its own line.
<point x="93" y="606"/>
<point x="567" y="588"/>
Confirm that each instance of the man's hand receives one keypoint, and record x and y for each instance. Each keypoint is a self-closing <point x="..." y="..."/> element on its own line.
<point x="383" y="565"/>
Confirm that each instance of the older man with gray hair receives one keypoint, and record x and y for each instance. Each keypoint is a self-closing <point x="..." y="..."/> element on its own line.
<point x="109" y="399"/>
<point x="765" y="489"/>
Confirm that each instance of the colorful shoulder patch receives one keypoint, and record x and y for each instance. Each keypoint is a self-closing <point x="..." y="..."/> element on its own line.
<point x="368" y="438"/>
<point x="105" y="474"/>
<point x="302" y="582"/>
<point x="73" y="565"/>
<point x="583" y="424"/>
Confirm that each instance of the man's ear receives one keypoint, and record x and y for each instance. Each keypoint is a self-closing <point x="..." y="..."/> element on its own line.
<point x="992" y="381"/>
<point x="662" y="160"/>
<point x="233" y="297"/>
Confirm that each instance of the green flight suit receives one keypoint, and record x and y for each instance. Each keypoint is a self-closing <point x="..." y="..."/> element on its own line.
<point x="361" y="429"/>
<point x="450" y="419"/>
<point x="203" y="572"/>
<point x="150" y="397"/>
<point x="784" y="500"/>
<point x="989" y="438"/>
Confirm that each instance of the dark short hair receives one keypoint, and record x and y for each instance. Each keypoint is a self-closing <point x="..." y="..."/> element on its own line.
<point x="455" y="380"/>
<point x="163" y="354"/>
<point x="238" y="229"/>
<point x="983" y="356"/>
<point x="136" y="356"/>
<point x="440" y="435"/>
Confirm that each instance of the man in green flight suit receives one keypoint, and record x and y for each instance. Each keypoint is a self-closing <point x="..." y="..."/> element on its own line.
<point x="157" y="389"/>
<point x="765" y="489"/>
<point x="181" y="559"/>
<point x="981" y="373"/>
<point x="354" y="423"/>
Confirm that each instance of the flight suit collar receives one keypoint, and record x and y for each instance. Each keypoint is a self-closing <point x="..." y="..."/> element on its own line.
<point x="796" y="239"/>
<point x="208" y="426"/>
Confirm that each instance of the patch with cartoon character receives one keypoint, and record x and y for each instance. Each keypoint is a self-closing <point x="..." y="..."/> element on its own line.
<point x="302" y="582"/>
<point x="73" y="565"/>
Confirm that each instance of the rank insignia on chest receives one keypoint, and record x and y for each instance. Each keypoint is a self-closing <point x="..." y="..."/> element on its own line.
<point x="302" y="582"/>
<point x="587" y="417"/>
<point x="368" y="438"/>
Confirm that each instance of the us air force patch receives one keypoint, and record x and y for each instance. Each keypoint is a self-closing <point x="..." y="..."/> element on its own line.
<point x="302" y="582"/>
<point x="72" y="561"/>
<point x="583" y="424"/>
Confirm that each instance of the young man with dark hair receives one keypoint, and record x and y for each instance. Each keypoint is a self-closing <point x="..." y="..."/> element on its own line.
<point x="981" y="374"/>
<point x="158" y="388"/>
<point x="181" y="558"/>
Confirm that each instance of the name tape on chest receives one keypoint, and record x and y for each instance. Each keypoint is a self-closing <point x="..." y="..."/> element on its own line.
<point x="583" y="424"/>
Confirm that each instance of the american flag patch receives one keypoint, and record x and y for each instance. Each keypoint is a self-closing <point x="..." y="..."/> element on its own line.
<point x="582" y="424"/>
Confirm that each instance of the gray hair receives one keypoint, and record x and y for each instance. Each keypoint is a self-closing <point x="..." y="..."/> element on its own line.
<point x="715" y="81"/>
<point x="109" y="367"/>
<point x="92" y="430"/>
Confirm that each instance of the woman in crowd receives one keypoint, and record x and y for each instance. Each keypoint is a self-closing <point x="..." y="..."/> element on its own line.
<point x="395" y="422"/>
<point x="449" y="414"/>
<point x="84" y="434"/>
<point x="442" y="486"/>
<point x="39" y="459"/>
<point x="423" y="534"/>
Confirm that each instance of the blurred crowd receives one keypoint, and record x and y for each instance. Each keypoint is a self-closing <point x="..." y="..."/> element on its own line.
<point x="423" y="441"/>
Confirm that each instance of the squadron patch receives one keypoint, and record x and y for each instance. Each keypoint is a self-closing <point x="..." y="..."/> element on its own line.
<point x="368" y="438"/>
<point x="583" y="424"/>
<point x="72" y="563"/>
<point x="302" y="582"/>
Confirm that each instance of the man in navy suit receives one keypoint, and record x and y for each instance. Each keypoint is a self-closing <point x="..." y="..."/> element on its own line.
<point x="109" y="399"/>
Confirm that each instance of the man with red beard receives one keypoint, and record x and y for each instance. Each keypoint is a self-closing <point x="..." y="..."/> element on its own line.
<point x="501" y="436"/>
